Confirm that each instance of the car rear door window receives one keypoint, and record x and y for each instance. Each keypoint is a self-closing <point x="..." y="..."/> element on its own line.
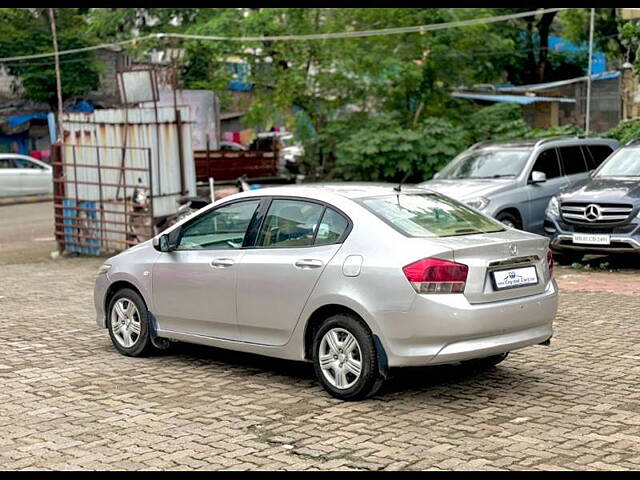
<point x="596" y="154"/>
<point x="547" y="163"/>
<point x="332" y="227"/>
<point x="290" y="223"/>
<point x="222" y="228"/>
<point x="6" y="163"/>
<point x="572" y="160"/>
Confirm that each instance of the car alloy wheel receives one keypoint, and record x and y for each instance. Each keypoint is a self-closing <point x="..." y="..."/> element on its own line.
<point x="125" y="322"/>
<point x="340" y="358"/>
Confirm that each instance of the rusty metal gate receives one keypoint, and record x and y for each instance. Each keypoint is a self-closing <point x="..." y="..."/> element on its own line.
<point x="99" y="197"/>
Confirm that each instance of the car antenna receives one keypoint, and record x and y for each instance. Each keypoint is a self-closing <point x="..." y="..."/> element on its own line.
<point x="398" y="188"/>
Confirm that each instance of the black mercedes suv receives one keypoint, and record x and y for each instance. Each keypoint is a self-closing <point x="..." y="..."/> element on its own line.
<point x="600" y="215"/>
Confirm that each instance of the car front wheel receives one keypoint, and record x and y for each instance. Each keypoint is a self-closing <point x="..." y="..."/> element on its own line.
<point x="510" y="220"/>
<point x="344" y="358"/>
<point x="567" y="258"/>
<point x="128" y="324"/>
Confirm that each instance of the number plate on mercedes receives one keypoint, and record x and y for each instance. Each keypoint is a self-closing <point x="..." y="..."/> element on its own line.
<point x="591" y="239"/>
<point x="515" y="277"/>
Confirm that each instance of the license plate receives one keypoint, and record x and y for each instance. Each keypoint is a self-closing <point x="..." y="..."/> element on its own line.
<point x="591" y="239"/>
<point x="515" y="277"/>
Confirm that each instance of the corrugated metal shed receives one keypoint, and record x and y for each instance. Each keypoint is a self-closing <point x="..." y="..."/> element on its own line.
<point x="106" y="156"/>
<point x="136" y="128"/>
<point x="543" y="86"/>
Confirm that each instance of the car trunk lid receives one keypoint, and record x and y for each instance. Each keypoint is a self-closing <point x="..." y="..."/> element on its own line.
<point x="499" y="251"/>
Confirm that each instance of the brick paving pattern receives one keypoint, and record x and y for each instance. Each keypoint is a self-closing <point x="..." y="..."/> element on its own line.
<point x="68" y="400"/>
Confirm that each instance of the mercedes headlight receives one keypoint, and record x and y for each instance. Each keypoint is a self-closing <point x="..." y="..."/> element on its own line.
<point x="478" y="203"/>
<point x="553" y="209"/>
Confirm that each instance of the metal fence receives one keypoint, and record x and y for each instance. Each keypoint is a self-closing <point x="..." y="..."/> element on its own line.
<point x="165" y="130"/>
<point x="94" y="189"/>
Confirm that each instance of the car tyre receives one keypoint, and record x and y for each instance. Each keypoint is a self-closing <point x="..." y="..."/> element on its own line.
<point x="128" y="324"/>
<point x="338" y="378"/>
<point x="510" y="220"/>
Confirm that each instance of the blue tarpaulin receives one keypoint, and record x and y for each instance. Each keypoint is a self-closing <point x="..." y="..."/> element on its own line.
<point x="82" y="106"/>
<point x="16" y="120"/>
<point x="521" y="99"/>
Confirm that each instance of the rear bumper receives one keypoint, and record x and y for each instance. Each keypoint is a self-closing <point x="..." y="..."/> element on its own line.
<point x="561" y="239"/>
<point x="447" y="328"/>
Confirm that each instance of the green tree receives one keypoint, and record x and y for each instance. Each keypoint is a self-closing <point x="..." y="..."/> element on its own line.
<point x="375" y="107"/>
<point x="27" y="31"/>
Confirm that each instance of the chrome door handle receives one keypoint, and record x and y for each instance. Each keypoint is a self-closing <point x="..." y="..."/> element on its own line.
<point x="222" y="262"/>
<point x="308" y="263"/>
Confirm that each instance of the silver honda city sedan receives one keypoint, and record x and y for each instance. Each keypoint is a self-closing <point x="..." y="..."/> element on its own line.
<point x="356" y="278"/>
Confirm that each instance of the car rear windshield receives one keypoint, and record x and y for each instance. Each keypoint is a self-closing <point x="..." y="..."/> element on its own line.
<point x="429" y="215"/>
<point x="487" y="163"/>
<point x="623" y="163"/>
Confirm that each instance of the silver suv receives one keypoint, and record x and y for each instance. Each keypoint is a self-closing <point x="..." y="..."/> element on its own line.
<point x="513" y="181"/>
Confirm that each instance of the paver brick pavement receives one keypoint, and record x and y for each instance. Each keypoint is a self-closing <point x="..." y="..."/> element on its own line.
<point x="68" y="400"/>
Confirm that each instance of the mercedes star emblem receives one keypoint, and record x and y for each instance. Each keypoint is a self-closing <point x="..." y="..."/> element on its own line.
<point x="592" y="213"/>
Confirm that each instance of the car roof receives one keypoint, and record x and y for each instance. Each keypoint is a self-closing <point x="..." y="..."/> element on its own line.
<point x="350" y="190"/>
<point x="534" y="142"/>
<point x="14" y="155"/>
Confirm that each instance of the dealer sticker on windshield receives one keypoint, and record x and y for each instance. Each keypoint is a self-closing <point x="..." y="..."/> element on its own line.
<point x="516" y="277"/>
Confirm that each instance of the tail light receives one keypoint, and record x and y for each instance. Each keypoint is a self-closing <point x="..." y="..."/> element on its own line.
<point x="431" y="275"/>
<point x="550" y="262"/>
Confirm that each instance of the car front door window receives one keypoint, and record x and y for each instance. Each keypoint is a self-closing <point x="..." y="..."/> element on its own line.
<point x="547" y="163"/>
<point x="24" y="163"/>
<point x="572" y="160"/>
<point x="222" y="228"/>
<point x="540" y="193"/>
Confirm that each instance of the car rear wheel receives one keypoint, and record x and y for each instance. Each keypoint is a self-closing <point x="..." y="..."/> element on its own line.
<point x="344" y="358"/>
<point x="128" y="324"/>
<point x="510" y="220"/>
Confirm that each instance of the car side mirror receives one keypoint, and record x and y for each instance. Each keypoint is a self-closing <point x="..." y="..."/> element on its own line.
<point x="161" y="243"/>
<point x="167" y="241"/>
<point x="538" y="177"/>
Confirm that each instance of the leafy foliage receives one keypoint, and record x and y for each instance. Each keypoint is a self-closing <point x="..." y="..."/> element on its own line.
<point x="381" y="149"/>
<point x="371" y="108"/>
<point x="625" y="131"/>
<point x="498" y="122"/>
<point x="28" y="31"/>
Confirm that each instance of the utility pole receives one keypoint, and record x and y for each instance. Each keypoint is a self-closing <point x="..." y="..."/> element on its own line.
<point x="587" y="120"/>
<point x="57" y="63"/>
